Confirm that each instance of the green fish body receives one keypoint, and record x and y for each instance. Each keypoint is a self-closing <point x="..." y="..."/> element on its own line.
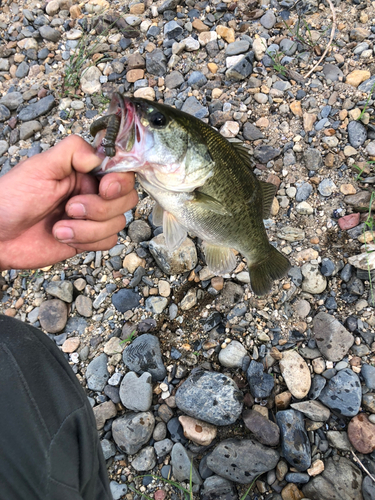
<point x="202" y="183"/>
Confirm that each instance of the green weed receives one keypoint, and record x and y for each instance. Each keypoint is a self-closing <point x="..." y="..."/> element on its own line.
<point x="130" y="338"/>
<point x="361" y="170"/>
<point x="369" y="226"/>
<point x="366" y="103"/>
<point x="250" y="487"/>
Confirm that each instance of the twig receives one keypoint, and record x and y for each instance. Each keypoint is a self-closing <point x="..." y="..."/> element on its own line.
<point x="356" y="459"/>
<point x="330" y="38"/>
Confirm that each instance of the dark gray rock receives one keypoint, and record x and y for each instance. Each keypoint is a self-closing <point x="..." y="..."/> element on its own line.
<point x="340" y="480"/>
<point x="156" y="63"/>
<point x="174" y="80"/>
<point x="210" y="396"/>
<point x="182" y="465"/>
<point x="261" y="383"/>
<point x="176" y="431"/>
<point x="264" y="430"/>
<point x="37" y="109"/>
<point x="368" y="488"/>
<point x="163" y="448"/>
<point x="218" y="488"/>
<point x="49" y="33"/>
<point x="368" y="374"/>
<point x="237" y="47"/>
<point x="251" y="132"/>
<point x="197" y="78"/>
<point x="194" y="107"/>
<point x="242" y="69"/>
<point x="97" y="373"/>
<point x="108" y="448"/>
<point x="172" y="29"/>
<point x="53" y="315"/>
<point x="22" y="70"/>
<point x="125" y="299"/>
<point x="303" y="191"/>
<point x="4" y="113"/>
<point x="357" y="133"/>
<point x="333" y="340"/>
<point x="367" y="85"/>
<point x="241" y="460"/>
<point x="139" y="231"/>
<point x="313" y="159"/>
<point x="144" y="355"/>
<point x="168" y="5"/>
<point x="295" y="443"/>
<point x="328" y="267"/>
<point x="132" y="431"/>
<point x="297" y="477"/>
<point x="136" y="392"/>
<point x="342" y="393"/>
<point x="264" y="154"/>
<point x="317" y="385"/>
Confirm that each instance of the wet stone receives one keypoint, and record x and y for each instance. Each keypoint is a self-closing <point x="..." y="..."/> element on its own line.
<point x="132" y="431"/>
<point x="242" y="460"/>
<point x="333" y="340"/>
<point x="294" y="441"/>
<point x="343" y="394"/>
<point x="261" y="383"/>
<point x="210" y="396"/>
<point x="264" y="430"/>
<point x="144" y="355"/>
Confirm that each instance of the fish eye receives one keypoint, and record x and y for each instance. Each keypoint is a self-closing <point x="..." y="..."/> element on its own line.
<point x="157" y="120"/>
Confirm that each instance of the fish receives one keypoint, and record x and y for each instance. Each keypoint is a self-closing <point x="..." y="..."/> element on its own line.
<point x="202" y="183"/>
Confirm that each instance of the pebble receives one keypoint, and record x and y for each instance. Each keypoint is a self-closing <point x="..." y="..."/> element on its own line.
<point x="37" y="109"/>
<point x="218" y="488"/>
<point x="144" y="355"/>
<point x="361" y="434"/>
<point x="84" y="306"/>
<point x="132" y="431"/>
<point x="198" y="431"/>
<point x="313" y="410"/>
<point x="343" y="394"/>
<point x="97" y="373"/>
<point x="145" y="460"/>
<point x="210" y="396"/>
<point x="261" y="383"/>
<point x="136" y="392"/>
<point x="296" y="374"/>
<point x="294" y="441"/>
<point x="118" y="490"/>
<point x="357" y="134"/>
<point x="241" y="460"/>
<point x="265" y="431"/>
<point x="103" y="412"/>
<point x="125" y="299"/>
<point x="182" y="465"/>
<point x="313" y="281"/>
<point x="179" y="261"/>
<point x="53" y="315"/>
<point x="232" y="355"/>
<point x="62" y="290"/>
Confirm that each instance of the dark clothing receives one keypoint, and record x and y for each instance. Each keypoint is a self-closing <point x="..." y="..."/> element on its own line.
<point x="49" y="445"/>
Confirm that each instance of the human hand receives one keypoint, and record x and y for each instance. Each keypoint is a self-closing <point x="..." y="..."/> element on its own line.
<point x="51" y="208"/>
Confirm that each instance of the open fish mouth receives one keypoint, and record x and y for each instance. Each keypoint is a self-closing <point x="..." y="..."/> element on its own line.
<point x="119" y="136"/>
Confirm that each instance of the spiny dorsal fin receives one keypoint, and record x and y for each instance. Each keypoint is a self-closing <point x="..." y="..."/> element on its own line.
<point x="220" y="260"/>
<point x="268" y="194"/>
<point x="209" y="203"/>
<point x="173" y="232"/>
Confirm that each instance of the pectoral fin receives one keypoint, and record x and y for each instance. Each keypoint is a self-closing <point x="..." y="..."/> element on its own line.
<point x="268" y="192"/>
<point x="174" y="233"/>
<point x="157" y="215"/>
<point x="207" y="202"/>
<point x="220" y="260"/>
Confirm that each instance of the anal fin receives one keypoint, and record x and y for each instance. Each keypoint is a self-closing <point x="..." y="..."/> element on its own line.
<point x="174" y="233"/>
<point x="220" y="260"/>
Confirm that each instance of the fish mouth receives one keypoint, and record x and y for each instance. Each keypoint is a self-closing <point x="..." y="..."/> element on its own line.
<point x="121" y="132"/>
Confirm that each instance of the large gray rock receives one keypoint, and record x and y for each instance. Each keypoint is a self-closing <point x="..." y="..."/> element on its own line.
<point x="182" y="465"/>
<point x="333" y="340"/>
<point x="36" y="109"/>
<point x="242" y="460"/>
<point x="341" y="480"/>
<point x="144" y="355"/>
<point x="210" y="396"/>
<point x="132" y="431"/>
<point x="343" y="393"/>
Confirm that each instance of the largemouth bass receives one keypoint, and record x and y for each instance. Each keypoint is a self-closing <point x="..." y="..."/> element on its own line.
<point x="202" y="183"/>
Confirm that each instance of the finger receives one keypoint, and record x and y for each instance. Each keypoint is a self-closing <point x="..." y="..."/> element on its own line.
<point x="83" y="232"/>
<point x="94" y="208"/>
<point x="105" y="244"/>
<point x="116" y="185"/>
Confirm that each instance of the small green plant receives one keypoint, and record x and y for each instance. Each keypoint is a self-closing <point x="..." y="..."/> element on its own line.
<point x="250" y="487"/>
<point x="276" y="62"/>
<point x="306" y="38"/>
<point x="130" y="338"/>
<point x="366" y="103"/>
<point x="369" y="227"/>
<point x="361" y="170"/>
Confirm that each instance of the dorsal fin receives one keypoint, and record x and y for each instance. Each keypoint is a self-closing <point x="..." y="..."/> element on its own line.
<point x="268" y="194"/>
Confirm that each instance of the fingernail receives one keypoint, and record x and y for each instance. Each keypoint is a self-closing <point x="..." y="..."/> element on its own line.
<point x="64" y="234"/>
<point x="77" y="210"/>
<point x="113" y="190"/>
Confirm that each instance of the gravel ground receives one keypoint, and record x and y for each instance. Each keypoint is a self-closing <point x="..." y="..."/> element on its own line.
<point x="180" y="364"/>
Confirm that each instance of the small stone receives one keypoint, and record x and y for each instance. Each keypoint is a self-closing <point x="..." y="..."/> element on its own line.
<point x="37" y="109"/>
<point x="295" y="373"/>
<point x="198" y="431"/>
<point x="125" y="299"/>
<point x="104" y="412"/>
<point x="313" y="410"/>
<point x="339" y="440"/>
<point x="53" y="315"/>
<point x="316" y="468"/>
<point x="314" y="282"/>
<point x="333" y="340"/>
<point x="179" y="261"/>
<point x="291" y="492"/>
<point x="70" y="345"/>
<point x="49" y="33"/>
<point x="117" y="490"/>
<point x="226" y="33"/>
<point x="368" y="374"/>
<point x="261" y="384"/>
<point x="265" y="431"/>
<point x="294" y="441"/>
<point x="28" y="129"/>
<point x="349" y="221"/>
<point x="97" y="373"/>
<point x="145" y="460"/>
<point x="342" y="393"/>
<point x="144" y="355"/>
<point x="132" y="431"/>
<point x="232" y="355"/>
<point x="268" y="20"/>
<point x="62" y="290"/>
<point x="308" y="121"/>
<point x="361" y="434"/>
<point x="182" y="465"/>
<point x="357" y="76"/>
<point x="357" y="134"/>
<point x="296" y="108"/>
<point x="84" y="306"/>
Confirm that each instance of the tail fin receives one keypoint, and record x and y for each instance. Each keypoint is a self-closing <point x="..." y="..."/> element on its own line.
<point x="263" y="273"/>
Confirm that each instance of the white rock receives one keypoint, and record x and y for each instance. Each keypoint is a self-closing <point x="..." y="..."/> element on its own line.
<point x="259" y="48"/>
<point x="90" y="80"/>
<point x="365" y="260"/>
<point x="74" y="34"/>
<point x="230" y="129"/>
<point x="191" y="44"/>
<point x="206" y="37"/>
<point x="232" y="60"/>
<point x="232" y="355"/>
<point x="145" y="93"/>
